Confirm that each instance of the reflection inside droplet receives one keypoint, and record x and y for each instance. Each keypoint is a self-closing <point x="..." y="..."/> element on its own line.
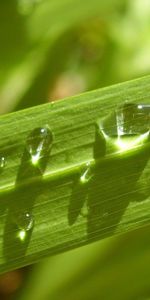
<point x="126" y="143"/>
<point x="86" y="174"/>
<point x="22" y="235"/>
<point x="2" y="162"/>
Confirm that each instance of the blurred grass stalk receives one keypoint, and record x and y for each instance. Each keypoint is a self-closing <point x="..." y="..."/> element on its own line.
<point x="43" y="28"/>
<point x="40" y="30"/>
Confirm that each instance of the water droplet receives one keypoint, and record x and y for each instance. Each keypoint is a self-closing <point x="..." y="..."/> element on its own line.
<point x="133" y="119"/>
<point x="133" y="125"/>
<point x="2" y="162"/>
<point x="126" y="128"/>
<point x="24" y="221"/>
<point x="87" y="174"/>
<point x="39" y="144"/>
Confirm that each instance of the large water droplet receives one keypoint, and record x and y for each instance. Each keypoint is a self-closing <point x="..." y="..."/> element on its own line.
<point x="133" y="119"/>
<point x="133" y="125"/>
<point x="2" y="162"/>
<point x="39" y="144"/>
<point x="126" y="128"/>
<point x="87" y="174"/>
<point x="128" y="119"/>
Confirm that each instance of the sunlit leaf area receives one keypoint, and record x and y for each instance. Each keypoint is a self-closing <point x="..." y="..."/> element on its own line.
<point x="56" y="49"/>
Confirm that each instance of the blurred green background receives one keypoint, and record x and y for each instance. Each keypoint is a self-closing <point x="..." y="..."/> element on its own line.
<point x="51" y="49"/>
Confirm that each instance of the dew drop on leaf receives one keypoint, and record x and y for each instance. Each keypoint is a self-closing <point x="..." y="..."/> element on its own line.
<point x="24" y="221"/>
<point x="133" y="119"/>
<point x="133" y="125"/>
<point x="87" y="174"/>
<point x="127" y="128"/>
<point x="39" y="144"/>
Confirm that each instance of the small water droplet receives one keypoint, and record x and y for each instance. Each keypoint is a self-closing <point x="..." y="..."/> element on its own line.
<point x="87" y="174"/>
<point x="39" y="144"/>
<point x="24" y="221"/>
<point x="2" y="162"/>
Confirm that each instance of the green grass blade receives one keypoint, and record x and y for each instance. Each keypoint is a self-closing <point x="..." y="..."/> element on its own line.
<point x="116" y="197"/>
<point x="38" y="32"/>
